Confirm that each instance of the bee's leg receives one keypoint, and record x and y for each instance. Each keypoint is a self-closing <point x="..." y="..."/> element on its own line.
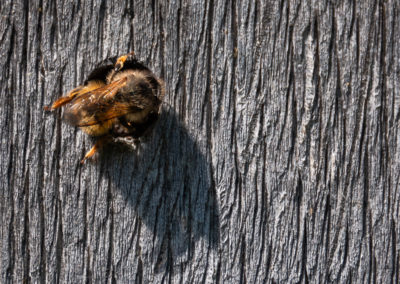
<point x="121" y="60"/>
<point x="99" y="143"/>
<point x="119" y="64"/>
<point x="64" y="100"/>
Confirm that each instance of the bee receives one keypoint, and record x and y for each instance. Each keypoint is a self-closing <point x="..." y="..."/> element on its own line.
<point x="120" y="98"/>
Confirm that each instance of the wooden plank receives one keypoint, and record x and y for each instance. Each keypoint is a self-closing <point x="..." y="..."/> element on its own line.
<point x="276" y="157"/>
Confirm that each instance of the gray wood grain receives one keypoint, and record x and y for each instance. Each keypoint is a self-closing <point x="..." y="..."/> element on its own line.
<point x="276" y="158"/>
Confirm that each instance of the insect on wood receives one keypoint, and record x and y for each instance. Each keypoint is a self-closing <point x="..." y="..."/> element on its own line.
<point x="120" y="98"/>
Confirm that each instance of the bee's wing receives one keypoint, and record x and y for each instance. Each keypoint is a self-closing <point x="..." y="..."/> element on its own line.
<point x="97" y="106"/>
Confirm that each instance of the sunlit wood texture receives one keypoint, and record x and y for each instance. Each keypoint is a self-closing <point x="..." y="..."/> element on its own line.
<point x="276" y="158"/>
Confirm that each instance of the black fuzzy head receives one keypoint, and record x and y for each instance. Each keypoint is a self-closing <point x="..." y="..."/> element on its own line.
<point x="104" y="67"/>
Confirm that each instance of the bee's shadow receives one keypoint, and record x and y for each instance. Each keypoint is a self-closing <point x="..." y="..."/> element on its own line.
<point x="168" y="184"/>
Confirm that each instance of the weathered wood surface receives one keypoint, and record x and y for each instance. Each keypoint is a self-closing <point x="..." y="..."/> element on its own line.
<point x="276" y="159"/>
